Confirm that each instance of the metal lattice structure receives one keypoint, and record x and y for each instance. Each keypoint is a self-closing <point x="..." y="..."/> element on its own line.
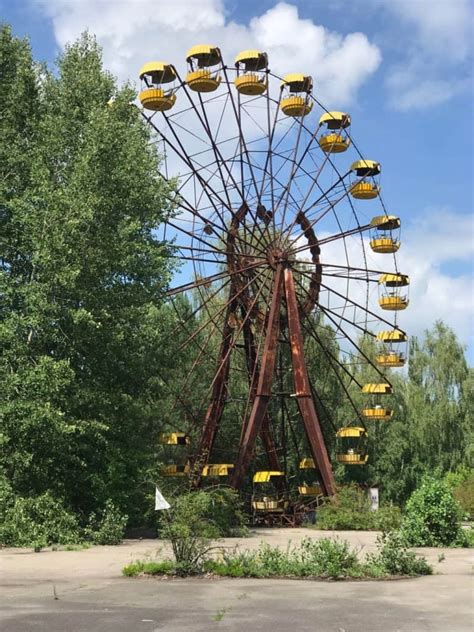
<point x="274" y="225"/>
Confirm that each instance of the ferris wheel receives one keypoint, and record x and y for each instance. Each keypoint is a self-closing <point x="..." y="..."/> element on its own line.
<point x="278" y="234"/>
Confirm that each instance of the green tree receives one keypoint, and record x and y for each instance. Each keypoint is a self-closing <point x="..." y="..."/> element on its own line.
<point x="433" y="431"/>
<point x="81" y="280"/>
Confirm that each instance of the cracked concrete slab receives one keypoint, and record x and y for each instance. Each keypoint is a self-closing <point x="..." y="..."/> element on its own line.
<point x="83" y="591"/>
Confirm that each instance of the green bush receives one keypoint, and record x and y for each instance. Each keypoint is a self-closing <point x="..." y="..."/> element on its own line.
<point x="166" y="567"/>
<point x="393" y="558"/>
<point x="326" y="558"/>
<point x="433" y="516"/>
<point x="350" y="510"/>
<point x="469" y="537"/>
<point x="38" y="522"/>
<point x="108" y="527"/>
<point x="190" y="527"/>
<point x="226" y="511"/>
<point x="461" y="481"/>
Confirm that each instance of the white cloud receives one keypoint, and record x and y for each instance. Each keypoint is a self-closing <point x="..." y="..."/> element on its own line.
<point x="443" y="26"/>
<point x="432" y="247"/>
<point x="411" y="87"/>
<point x="431" y="244"/>
<point x="134" y="32"/>
<point x="435" y="51"/>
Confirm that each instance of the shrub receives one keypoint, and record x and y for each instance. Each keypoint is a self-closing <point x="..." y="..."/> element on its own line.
<point x="326" y="558"/>
<point x="165" y="567"/>
<point x="189" y="528"/>
<point x="38" y="522"/>
<point x="393" y="558"/>
<point x="350" y="510"/>
<point x="469" y="537"/>
<point x="461" y="481"/>
<point x="226" y="512"/>
<point x="387" y="518"/>
<point x="108" y="527"/>
<point x="432" y="516"/>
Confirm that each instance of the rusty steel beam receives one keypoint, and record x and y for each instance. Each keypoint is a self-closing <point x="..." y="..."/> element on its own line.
<point x="303" y="389"/>
<point x="263" y="392"/>
<point x="253" y="373"/>
<point x="215" y="409"/>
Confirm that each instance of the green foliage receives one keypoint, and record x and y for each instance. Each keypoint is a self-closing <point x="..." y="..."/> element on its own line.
<point x="433" y="429"/>
<point x="432" y="516"/>
<point x="326" y="558"/>
<point x="81" y="280"/>
<point x="197" y="517"/>
<point x="468" y="537"/>
<point x="393" y="558"/>
<point x="108" y="527"/>
<point x="190" y="527"/>
<point x="350" y="510"/>
<point x="165" y="567"/>
<point x="226" y="512"/>
<point x="81" y="546"/>
<point x="43" y="520"/>
<point x="38" y="522"/>
<point x="461" y="481"/>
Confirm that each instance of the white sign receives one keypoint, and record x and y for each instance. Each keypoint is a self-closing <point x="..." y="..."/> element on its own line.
<point x="374" y="498"/>
<point x="160" y="502"/>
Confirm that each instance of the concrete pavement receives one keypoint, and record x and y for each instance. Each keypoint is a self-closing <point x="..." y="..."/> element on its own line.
<point x="83" y="591"/>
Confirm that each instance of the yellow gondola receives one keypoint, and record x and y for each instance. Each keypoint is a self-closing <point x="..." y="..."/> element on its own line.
<point x="201" y="77"/>
<point x="392" y="336"/>
<point x="364" y="190"/>
<point x="251" y="77"/>
<point x="351" y="446"/>
<point x="374" y="409"/>
<point x="393" y="359"/>
<point x="296" y="85"/>
<point x="391" y="356"/>
<point x="266" y="499"/>
<point x="335" y="120"/>
<point x="391" y="298"/>
<point x="378" y="389"/>
<point x="310" y="490"/>
<point x="314" y="489"/>
<point x="175" y="470"/>
<point x="173" y="438"/>
<point x="385" y="234"/>
<point x="334" y="142"/>
<point x="154" y="75"/>
<point x="377" y="413"/>
<point x="217" y="469"/>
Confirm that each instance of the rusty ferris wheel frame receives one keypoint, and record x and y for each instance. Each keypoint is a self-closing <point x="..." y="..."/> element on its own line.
<point x="255" y="191"/>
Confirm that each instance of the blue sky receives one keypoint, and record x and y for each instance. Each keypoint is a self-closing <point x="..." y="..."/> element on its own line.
<point x="402" y="68"/>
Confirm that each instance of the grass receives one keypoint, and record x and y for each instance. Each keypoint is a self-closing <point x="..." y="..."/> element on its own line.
<point x="312" y="559"/>
<point x="76" y="547"/>
<point x="166" y="567"/>
<point x="220" y="614"/>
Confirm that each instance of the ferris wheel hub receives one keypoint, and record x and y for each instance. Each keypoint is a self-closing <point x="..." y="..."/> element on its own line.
<point x="276" y="255"/>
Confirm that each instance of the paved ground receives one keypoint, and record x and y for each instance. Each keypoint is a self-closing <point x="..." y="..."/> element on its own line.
<point x="83" y="591"/>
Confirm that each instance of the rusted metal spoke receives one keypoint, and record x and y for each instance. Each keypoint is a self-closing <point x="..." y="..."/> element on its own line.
<point x="252" y="305"/>
<point x="335" y="362"/>
<point x="209" y="279"/>
<point x="232" y="298"/>
<point x="200" y="306"/>
<point x="349" y="338"/>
